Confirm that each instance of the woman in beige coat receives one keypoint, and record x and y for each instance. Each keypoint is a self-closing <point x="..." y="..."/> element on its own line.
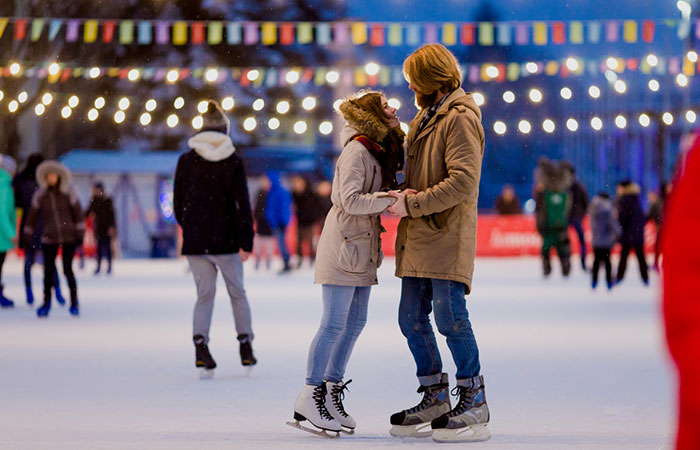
<point x="349" y="253"/>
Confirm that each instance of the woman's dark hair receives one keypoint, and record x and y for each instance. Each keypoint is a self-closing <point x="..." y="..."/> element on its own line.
<point x="29" y="169"/>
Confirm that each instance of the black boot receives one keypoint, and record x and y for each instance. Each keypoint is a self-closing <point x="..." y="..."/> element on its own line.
<point x="246" y="351"/>
<point x="4" y="301"/>
<point x="202" y="356"/>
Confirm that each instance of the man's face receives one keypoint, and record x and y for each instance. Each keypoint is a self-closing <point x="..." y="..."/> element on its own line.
<point x="423" y="100"/>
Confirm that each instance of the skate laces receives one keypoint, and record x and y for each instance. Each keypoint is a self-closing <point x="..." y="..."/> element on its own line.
<point x="319" y="397"/>
<point x="428" y="393"/>
<point x="338" y="395"/>
<point x="465" y="401"/>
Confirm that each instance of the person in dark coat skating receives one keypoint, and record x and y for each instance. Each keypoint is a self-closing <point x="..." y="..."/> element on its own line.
<point x="632" y="220"/>
<point x="605" y="230"/>
<point x="25" y="186"/>
<point x="306" y="210"/>
<point x="579" y="206"/>
<point x="102" y="210"/>
<point x="212" y="206"/>
<point x="64" y="227"/>
<point x="264" y="237"/>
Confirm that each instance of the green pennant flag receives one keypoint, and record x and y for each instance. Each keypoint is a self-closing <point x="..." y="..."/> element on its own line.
<point x="576" y="32"/>
<point x="305" y="33"/>
<point x="395" y="34"/>
<point x="216" y="33"/>
<point x="126" y="32"/>
<point x="485" y="33"/>
<point x="37" y="28"/>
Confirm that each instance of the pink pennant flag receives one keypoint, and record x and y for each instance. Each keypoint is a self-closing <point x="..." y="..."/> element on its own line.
<point x="250" y="33"/>
<point x="341" y="33"/>
<point x="521" y="34"/>
<point x="72" y="30"/>
<point x="162" y="32"/>
<point x="612" y="31"/>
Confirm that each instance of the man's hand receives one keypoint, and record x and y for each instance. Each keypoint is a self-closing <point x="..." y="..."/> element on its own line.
<point x="244" y="255"/>
<point x="398" y="209"/>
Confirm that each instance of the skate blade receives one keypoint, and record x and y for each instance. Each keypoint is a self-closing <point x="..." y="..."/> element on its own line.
<point x="474" y="433"/>
<point x="206" y="374"/>
<point x="247" y="370"/>
<point x="348" y="431"/>
<point x="421" y="430"/>
<point x="317" y="432"/>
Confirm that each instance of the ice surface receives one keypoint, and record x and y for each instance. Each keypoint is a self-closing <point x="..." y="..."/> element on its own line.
<point x="564" y="367"/>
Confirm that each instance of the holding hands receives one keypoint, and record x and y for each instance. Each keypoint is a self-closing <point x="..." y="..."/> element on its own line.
<point x="398" y="209"/>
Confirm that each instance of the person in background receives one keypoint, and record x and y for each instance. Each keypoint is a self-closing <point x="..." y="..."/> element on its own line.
<point x="8" y="219"/>
<point x="681" y="289"/>
<point x="323" y="194"/>
<point x="605" y="230"/>
<point x="579" y="206"/>
<point x="264" y="238"/>
<point x="632" y="220"/>
<point x="553" y="204"/>
<point x="102" y="210"/>
<point x="655" y="214"/>
<point x="306" y="211"/>
<point x="211" y="204"/>
<point x="507" y="202"/>
<point x="25" y="186"/>
<point x="277" y="212"/>
<point x="64" y="227"/>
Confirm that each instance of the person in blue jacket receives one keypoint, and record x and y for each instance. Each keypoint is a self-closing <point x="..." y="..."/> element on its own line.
<point x="277" y="212"/>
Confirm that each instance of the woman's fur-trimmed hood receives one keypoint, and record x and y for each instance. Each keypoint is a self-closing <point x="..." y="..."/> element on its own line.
<point x="362" y="121"/>
<point x="212" y="146"/>
<point x="63" y="172"/>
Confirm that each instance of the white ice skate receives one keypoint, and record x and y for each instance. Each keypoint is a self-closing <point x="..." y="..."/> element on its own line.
<point x="334" y="403"/>
<point x="311" y="406"/>
<point x="206" y="374"/>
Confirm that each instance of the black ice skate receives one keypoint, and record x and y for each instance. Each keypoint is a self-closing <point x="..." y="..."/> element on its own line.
<point x="203" y="358"/>
<point x="468" y="421"/>
<point x="415" y="422"/>
<point x="246" y="351"/>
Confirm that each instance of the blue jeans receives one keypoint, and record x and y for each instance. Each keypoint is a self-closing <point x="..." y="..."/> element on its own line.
<point x="279" y="234"/>
<point x="344" y="317"/>
<point x="419" y="296"/>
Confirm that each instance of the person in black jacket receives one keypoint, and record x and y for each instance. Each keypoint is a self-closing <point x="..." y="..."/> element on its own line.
<point x="306" y="210"/>
<point x="264" y="237"/>
<point x="579" y="207"/>
<point x="25" y="186"/>
<point x="212" y="206"/>
<point x="102" y="209"/>
<point x="632" y="220"/>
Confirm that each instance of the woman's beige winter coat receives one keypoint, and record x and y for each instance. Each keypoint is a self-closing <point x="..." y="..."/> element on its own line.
<point x="438" y="238"/>
<point x="349" y="251"/>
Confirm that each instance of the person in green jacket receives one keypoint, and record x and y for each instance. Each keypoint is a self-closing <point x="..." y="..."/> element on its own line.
<point x="8" y="219"/>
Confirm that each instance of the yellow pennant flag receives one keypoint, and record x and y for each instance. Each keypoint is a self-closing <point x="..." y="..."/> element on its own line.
<point x="551" y="68"/>
<point x="395" y="34"/>
<point x="449" y="34"/>
<point x="268" y="30"/>
<point x="359" y="36"/>
<point x="513" y="72"/>
<point x="576" y="32"/>
<point x="629" y="31"/>
<point x="3" y="25"/>
<point x="180" y="33"/>
<point x="90" y="34"/>
<point x="688" y="67"/>
<point x="539" y="31"/>
<point x="360" y="77"/>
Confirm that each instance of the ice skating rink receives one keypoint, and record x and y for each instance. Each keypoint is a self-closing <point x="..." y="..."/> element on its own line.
<point x="565" y="367"/>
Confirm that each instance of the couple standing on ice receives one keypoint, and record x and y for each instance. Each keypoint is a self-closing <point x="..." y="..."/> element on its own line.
<point x="435" y="250"/>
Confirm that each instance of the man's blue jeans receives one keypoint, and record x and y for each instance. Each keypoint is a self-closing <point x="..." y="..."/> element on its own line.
<point x="420" y="296"/>
<point x="344" y="317"/>
<point x="282" y="246"/>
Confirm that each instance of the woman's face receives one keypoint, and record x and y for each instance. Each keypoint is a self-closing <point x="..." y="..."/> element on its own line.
<point x="52" y="179"/>
<point x="390" y="117"/>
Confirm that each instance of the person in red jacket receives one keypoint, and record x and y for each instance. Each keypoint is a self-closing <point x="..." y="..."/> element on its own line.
<point x="682" y="290"/>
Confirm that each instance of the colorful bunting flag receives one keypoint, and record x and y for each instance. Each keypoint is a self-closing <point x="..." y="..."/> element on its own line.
<point x="376" y="35"/>
<point x="126" y="32"/>
<point x="629" y="31"/>
<point x="539" y="33"/>
<point x="215" y="33"/>
<point x="521" y="34"/>
<point x="269" y="33"/>
<point x="485" y="34"/>
<point x="162" y="33"/>
<point x="576" y="32"/>
<point x="3" y="25"/>
<point x="395" y="34"/>
<point x="90" y="31"/>
<point x="359" y="33"/>
<point x="179" y="33"/>
<point x="305" y="33"/>
<point x="323" y="34"/>
<point x="198" y="33"/>
<point x="559" y="33"/>
<point x="72" y="30"/>
<point x="37" y="28"/>
<point x="145" y="33"/>
<point x="20" y="29"/>
<point x="648" y="30"/>
<point x="286" y="34"/>
<point x="594" y="31"/>
<point x="250" y="33"/>
<point x="449" y="34"/>
<point x="234" y="33"/>
<point x="467" y="34"/>
<point x="54" y="28"/>
<point x="503" y="32"/>
<point x="612" y="31"/>
<point x="430" y="34"/>
<point x="341" y="33"/>
<point x="413" y="35"/>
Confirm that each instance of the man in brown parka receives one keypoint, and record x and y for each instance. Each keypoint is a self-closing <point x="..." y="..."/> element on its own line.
<point x="435" y="247"/>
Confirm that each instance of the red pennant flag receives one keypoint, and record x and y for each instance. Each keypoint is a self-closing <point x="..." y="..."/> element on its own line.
<point x="198" y="33"/>
<point x="648" y="29"/>
<point x="20" y="29"/>
<point x="467" y="34"/>
<point x="559" y="33"/>
<point x="376" y="36"/>
<point x="632" y="64"/>
<point x="65" y="75"/>
<point x="244" y="81"/>
<point x="108" y="31"/>
<point x="287" y="34"/>
<point x="564" y="72"/>
<point x="123" y="73"/>
<point x="372" y="80"/>
<point x="502" y="70"/>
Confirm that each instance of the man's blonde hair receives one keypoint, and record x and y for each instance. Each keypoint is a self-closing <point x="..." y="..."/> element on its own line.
<point x="433" y="68"/>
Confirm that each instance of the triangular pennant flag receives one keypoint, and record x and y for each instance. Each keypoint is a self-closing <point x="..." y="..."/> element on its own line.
<point x="54" y="29"/>
<point x="551" y="68"/>
<point x="648" y="30"/>
<point x="145" y="33"/>
<point x="72" y="30"/>
<point x="376" y="35"/>
<point x="503" y="33"/>
<point x="467" y="34"/>
<point x="271" y="79"/>
<point x="430" y="34"/>
<point x="341" y="35"/>
<point x="559" y="33"/>
<point x="594" y="31"/>
<point x="90" y="31"/>
<point x="539" y="33"/>
<point x="286" y="34"/>
<point x="513" y="72"/>
<point x="20" y="29"/>
<point x="384" y="76"/>
<point x="359" y="34"/>
<point x="612" y="31"/>
<point x="323" y="34"/>
<point x="126" y="32"/>
<point x="268" y="31"/>
<point x="576" y="32"/>
<point x="215" y="33"/>
<point x="320" y="76"/>
<point x="485" y="34"/>
<point x="3" y="25"/>
<point x="108" y="29"/>
<point x="37" y="28"/>
<point x="180" y="33"/>
<point x="395" y="34"/>
<point x="305" y="33"/>
<point x="522" y="35"/>
<point x="449" y="34"/>
<point x="198" y="33"/>
<point x="360" y="77"/>
<point x="250" y="33"/>
<point x="629" y="31"/>
<point x="413" y="35"/>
